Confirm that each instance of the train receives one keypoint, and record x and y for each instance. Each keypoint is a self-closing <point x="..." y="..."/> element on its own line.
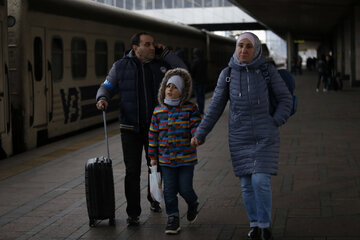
<point x="55" y="54"/>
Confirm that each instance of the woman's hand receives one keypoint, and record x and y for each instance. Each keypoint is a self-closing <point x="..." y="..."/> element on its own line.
<point x="196" y="142"/>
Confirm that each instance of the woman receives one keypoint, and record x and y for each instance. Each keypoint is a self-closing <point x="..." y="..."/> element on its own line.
<point x="253" y="132"/>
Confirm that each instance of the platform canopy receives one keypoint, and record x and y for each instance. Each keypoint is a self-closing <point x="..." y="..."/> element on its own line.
<point x="304" y="19"/>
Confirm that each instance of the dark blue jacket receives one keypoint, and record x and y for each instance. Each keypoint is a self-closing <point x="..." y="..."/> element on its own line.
<point x="254" y="139"/>
<point x="129" y="78"/>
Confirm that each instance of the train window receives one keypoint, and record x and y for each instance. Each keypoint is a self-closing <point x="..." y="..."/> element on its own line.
<point x="119" y="50"/>
<point x="38" y="59"/>
<point x="101" y="56"/>
<point x="78" y="57"/>
<point x="186" y="54"/>
<point x="57" y="59"/>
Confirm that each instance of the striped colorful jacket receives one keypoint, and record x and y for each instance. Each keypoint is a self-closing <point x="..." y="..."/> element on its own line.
<point x="170" y="134"/>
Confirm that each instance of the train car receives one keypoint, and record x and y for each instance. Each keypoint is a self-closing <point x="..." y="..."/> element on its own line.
<point x="62" y="50"/>
<point x="5" y="125"/>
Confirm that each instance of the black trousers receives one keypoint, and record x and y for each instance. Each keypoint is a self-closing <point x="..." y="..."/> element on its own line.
<point x="133" y="144"/>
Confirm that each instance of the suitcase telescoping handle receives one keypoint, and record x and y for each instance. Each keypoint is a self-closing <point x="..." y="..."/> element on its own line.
<point x="106" y="135"/>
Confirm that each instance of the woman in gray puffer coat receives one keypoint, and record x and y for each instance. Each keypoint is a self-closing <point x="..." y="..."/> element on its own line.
<point x="253" y="132"/>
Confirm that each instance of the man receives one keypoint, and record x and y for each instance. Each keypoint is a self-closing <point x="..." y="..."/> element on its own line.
<point x="136" y="78"/>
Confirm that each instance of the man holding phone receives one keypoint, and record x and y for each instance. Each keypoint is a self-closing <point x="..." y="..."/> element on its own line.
<point x="136" y="79"/>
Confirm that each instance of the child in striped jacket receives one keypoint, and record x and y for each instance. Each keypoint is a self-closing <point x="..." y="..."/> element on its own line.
<point x="173" y="124"/>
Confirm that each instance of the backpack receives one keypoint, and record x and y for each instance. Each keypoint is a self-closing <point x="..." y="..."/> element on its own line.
<point x="288" y="79"/>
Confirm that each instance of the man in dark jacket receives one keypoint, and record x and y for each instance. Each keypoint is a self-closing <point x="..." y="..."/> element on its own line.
<point x="136" y="78"/>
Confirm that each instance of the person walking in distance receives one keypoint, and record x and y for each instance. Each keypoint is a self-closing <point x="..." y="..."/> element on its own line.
<point x="198" y="73"/>
<point x="136" y="79"/>
<point x="254" y="138"/>
<point x="173" y="124"/>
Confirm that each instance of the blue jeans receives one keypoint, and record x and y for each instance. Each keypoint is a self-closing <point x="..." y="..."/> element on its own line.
<point x="256" y="193"/>
<point x="178" y="180"/>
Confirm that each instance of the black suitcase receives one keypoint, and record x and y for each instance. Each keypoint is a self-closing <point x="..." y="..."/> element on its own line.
<point x="99" y="185"/>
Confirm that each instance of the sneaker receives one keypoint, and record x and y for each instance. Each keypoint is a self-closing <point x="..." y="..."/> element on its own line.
<point x="192" y="212"/>
<point x="254" y="233"/>
<point x="133" y="221"/>
<point x="317" y="90"/>
<point x="173" y="225"/>
<point x="266" y="234"/>
<point x="155" y="207"/>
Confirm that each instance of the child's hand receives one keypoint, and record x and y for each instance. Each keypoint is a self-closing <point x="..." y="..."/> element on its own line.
<point x="153" y="162"/>
<point x="195" y="142"/>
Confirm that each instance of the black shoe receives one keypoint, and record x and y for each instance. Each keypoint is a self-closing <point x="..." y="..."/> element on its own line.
<point x="192" y="212"/>
<point x="254" y="233"/>
<point x="266" y="234"/>
<point x="133" y="221"/>
<point x="155" y="207"/>
<point x="173" y="225"/>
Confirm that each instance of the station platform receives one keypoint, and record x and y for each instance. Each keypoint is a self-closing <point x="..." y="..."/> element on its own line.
<point x="316" y="194"/>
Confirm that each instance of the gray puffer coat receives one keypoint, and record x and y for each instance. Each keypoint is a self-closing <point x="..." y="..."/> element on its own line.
<point x="253" y="133"/>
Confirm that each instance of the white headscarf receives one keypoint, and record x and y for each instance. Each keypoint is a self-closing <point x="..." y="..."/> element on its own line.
<point x="257" y="46"/>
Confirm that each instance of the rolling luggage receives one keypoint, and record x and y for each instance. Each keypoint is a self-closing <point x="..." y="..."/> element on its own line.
<point x="99" y="185"/>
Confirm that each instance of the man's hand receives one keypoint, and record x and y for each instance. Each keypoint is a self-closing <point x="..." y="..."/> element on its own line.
<point x="101" y="103"/>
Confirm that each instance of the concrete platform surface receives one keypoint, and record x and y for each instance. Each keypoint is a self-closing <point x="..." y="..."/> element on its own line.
<point x="316" y="195"/>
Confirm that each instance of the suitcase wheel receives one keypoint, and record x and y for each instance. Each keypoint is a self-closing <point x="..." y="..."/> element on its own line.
<point x="111" y="222"/>
<point x="92" y="223"/>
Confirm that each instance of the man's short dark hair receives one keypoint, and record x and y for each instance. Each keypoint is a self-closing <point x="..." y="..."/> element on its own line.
<point x="135" y="39"/>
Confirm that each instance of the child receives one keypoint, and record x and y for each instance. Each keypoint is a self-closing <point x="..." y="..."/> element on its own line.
<point x="173" y="124"/>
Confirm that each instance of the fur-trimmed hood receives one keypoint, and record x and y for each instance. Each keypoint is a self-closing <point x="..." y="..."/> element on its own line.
<point x="186" y="92"/>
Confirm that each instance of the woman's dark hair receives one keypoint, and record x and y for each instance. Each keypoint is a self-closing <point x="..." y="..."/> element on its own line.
<point x="135" y="39"/>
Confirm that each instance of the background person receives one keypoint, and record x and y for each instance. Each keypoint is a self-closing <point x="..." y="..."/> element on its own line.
<point x="254" y="139"/>
<point x="198" y="73"/>
<point x="136" y="79"/>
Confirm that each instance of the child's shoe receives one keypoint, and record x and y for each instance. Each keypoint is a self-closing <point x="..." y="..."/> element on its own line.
<point x="192" y="212"/>
<point x="173" y="225"/>
<point x="155" y="207"/>
<point x="266" y="234"/>
<point x="254" y="233"/>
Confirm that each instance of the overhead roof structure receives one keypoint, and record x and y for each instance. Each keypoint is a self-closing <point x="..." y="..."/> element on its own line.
<point x="311" y="20"/>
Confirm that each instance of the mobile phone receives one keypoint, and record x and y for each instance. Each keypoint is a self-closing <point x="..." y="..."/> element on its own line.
<point x="158" y="50"/>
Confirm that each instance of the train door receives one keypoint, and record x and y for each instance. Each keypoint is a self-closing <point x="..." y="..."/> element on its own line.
<point x="38" y="78"/>
<point x="3" y="100"/>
